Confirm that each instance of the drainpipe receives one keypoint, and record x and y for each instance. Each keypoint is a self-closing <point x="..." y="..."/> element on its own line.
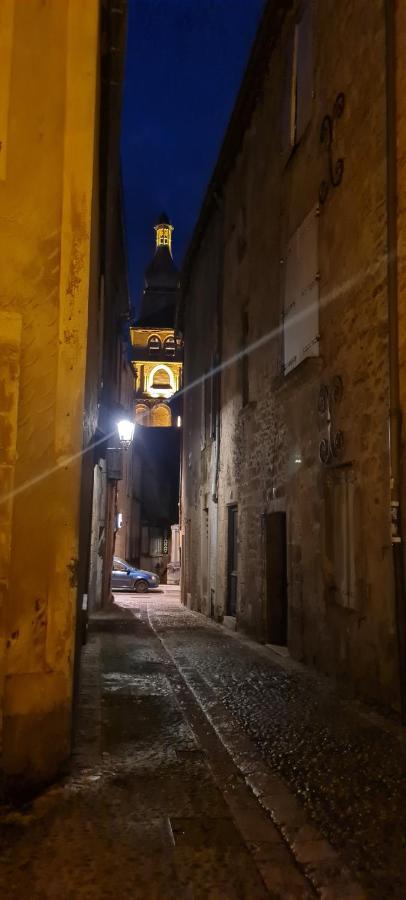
<point x="395" y="418"/>
<point x="219" y="201"/>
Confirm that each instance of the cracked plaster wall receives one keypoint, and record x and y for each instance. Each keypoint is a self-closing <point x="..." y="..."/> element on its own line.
<point x="45" y="234"/>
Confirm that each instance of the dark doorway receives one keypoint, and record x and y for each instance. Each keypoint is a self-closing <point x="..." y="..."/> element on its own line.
<point x="275" y="577"/>
<point x="232" y="562"/>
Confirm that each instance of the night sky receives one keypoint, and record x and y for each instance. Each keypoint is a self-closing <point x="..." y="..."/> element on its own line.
<point x="185" y="60"/>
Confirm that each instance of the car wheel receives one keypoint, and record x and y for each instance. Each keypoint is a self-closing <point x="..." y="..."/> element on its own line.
<point x="141" y="587"/>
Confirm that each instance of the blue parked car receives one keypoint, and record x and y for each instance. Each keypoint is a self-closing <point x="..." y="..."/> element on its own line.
<point x="126" y="578"/>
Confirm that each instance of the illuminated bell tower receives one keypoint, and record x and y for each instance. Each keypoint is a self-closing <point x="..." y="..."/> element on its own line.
<point x="157" y="355"/>
<point x="163" y="231"/>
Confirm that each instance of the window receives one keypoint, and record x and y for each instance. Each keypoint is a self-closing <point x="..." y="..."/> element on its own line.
<point x="142" y="414"/>
<point x="161" y="379"/>
<point x="304" y="70"/>
<point x="161" y="416"/>
<point x="154" y="345"/>
<point x="297" y="96"/>
<point x="118" y="566"/>
<point x="301" y="299"/>
<point x="144" y="540"/>
<point x="244" y="357"/>
<point x="205" y="409"/>
<point x="342" y="536"/>
<point x="170" y="346"/>
<point x="163" y="236"/>
<point x="156" y="542"/>
<point x="215" y="396"/>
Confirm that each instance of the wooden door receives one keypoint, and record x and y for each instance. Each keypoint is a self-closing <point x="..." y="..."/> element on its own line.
<point x="274" y="525"/>
<point x="232" y="562"/>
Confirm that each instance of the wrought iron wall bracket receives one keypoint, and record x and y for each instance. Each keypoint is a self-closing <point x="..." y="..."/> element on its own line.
<point x="332" y="446"/>
<point x="335" y="169"/>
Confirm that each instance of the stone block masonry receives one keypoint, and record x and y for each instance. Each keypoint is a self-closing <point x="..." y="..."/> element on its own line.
<point x="300" y="250"/>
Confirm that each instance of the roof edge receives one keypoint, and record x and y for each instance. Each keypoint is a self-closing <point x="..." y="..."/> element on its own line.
<point x="247" y="97"/>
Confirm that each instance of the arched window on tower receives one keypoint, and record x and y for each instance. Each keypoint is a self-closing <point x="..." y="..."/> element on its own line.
<point x="142" y="414"/>
<point x="170" y="346"/>
<point x="161" y="416"/>
<point x="163" y="236"/>
<point x="161" y="379"/>
<point x="154" y="345"/>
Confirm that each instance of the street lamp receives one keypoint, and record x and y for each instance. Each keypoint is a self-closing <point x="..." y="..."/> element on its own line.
<point x="125" y="428"/>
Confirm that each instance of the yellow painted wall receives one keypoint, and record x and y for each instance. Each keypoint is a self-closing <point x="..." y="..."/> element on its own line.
<point x="49" y="119"/>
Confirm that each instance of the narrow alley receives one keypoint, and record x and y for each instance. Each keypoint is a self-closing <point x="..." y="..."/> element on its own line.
<point x="206" y="766"/>
<point x="202" y="443"/>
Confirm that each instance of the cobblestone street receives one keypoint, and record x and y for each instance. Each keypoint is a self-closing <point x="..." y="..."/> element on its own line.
<point x="207" y="767"/>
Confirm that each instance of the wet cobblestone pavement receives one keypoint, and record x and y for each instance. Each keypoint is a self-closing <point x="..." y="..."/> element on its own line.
<point x="345" y="764"/>
<point x="205" y="767"/>
<point x="154" y="806"/>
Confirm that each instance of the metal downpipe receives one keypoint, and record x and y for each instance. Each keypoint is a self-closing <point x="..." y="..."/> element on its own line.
<point x="395" y="416"/>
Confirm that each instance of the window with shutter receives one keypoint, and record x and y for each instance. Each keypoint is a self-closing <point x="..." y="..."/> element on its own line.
<point x="203" y="392"/>
<point x="297" y="81"/>
<point x="214" y="395"/>
<point x="244" y="362"/>
<point x="301" y="300"/>
<point x="155" y="542"/>
<point x="288" y="99"/>
<point x="342" y="532"/>
<point x="304" y="70"/>
<point x="144" y="539"/>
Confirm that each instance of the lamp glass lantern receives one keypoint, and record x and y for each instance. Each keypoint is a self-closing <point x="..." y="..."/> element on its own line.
<point x="125" y="428"/>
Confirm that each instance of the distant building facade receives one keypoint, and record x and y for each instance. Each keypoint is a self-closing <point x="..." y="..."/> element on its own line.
<point x="293" y="289"/>
<point x="157" y="361"/>
<point x="156" y="353"/>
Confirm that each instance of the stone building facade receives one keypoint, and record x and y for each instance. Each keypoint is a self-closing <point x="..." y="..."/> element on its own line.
<point x="288" y="523"/>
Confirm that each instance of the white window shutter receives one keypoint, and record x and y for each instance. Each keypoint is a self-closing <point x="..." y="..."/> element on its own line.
<point x="301" y="302"/>
<point x="291" y="345"/>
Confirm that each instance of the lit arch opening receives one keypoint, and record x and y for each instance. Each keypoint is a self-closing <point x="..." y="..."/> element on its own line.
<point x="170" y="346"/>
<point x="154" y="344"/>
<point x="142" y="414"/>
<point x="161" y="416"/>
<point x="161" y="381"/>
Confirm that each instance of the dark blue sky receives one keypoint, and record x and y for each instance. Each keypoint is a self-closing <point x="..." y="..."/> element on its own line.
<point x="185" y="60"/>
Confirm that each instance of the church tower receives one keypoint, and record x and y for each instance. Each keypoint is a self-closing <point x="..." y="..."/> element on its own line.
<point x="156" y="354"/>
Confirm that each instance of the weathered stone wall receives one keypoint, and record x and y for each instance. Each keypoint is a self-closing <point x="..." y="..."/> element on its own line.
<point x="269" y="457"/>
<point x="199" y="508"/>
